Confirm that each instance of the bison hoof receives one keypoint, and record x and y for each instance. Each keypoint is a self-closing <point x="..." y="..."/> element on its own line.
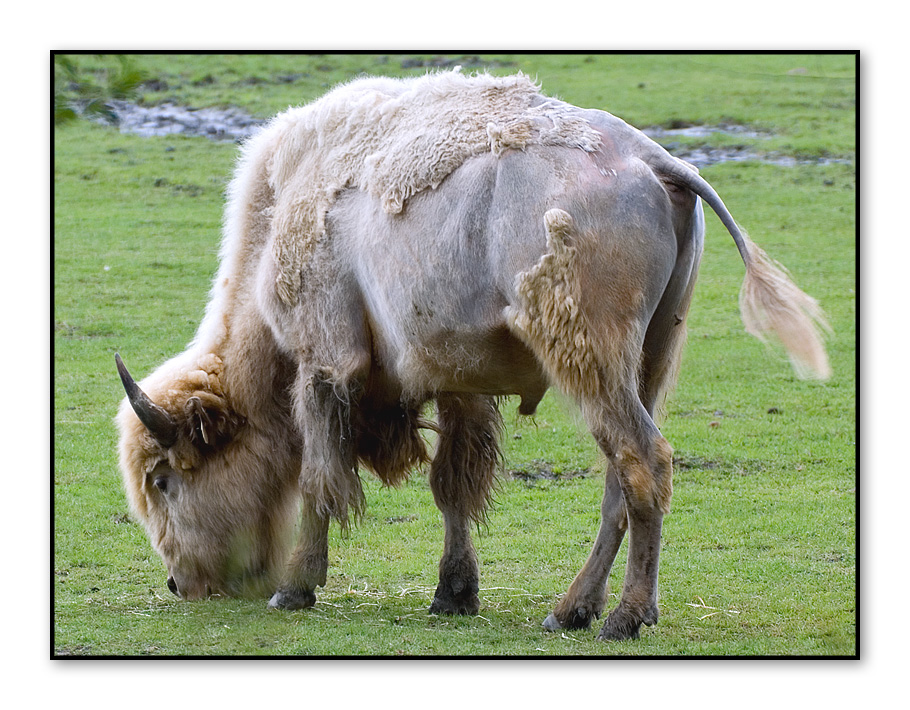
<point x="580" y="618"/>
<point x="467" y="603"/>
<point x="456" y="598"/>
<point x="291" y="600"/>
<point x="455" y="607"/>
<point x="623" y="625"/>
<point x="551" y="623"/>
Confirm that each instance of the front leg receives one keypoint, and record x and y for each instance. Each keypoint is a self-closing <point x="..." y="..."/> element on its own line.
<point x="329" y="484"/>
<point x="459" y="576"/>
<point x="461" y="477"/>
<point x="308" y="565"/>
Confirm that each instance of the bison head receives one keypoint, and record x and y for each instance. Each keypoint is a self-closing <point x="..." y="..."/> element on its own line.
<point x="214" y="491"/>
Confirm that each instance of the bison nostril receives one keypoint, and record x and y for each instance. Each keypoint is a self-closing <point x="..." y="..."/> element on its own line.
<point x="172" y="585"/>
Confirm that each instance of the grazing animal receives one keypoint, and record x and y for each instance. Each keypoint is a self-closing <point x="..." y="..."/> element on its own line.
<point x="451" y="238"/>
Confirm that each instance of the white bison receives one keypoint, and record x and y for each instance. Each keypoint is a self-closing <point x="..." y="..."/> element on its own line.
<point x="451" y="238"/>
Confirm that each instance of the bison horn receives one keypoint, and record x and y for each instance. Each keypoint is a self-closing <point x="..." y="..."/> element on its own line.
<point x="159" y="423"/>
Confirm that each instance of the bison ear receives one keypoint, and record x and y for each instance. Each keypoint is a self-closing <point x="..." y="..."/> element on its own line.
<point x="210" y="423"/>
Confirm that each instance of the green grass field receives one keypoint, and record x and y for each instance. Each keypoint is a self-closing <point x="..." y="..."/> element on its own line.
<point x="759" y="553"/>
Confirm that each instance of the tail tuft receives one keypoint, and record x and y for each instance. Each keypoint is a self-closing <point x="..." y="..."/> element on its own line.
<point x="771" y="304"/>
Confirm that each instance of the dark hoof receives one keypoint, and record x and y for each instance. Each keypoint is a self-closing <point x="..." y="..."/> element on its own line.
<point x="579" y="618"/>
<point x="623" y="625"/>
<point x="465" y="603"/>
<point x="456" y="596"/>
<point x="551" y="623"/>
<point x="290" y="600"/>
<point x="468" y="606"/>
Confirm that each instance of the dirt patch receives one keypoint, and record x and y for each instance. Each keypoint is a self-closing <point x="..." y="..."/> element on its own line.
<point x="723" y="468"/>
<point x="232" y="124"/>
<point x="686" y="463"/>
<point x="702" y="155"/>
<point x="467" y="61"/>
<point x="539" y="470"/>
<point x="691" y="130"/>
<point x="74" y="651"/>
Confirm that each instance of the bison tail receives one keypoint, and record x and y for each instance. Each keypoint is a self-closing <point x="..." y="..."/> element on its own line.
<point x="771" y="304"/>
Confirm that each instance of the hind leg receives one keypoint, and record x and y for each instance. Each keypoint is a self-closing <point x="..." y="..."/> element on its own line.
<point x="586" y="597"/>
<point x="638" y="479"/>
<point x="666" y="334"/>
<point x="642" y="461"/>
<point x="461" y="476"/>
<point x="661" y="353"/>
<point x="636" y="497"/>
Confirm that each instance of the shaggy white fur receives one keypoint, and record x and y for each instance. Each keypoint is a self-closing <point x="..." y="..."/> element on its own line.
<point x="586" y="361"/>
<point x="394" y="138"/>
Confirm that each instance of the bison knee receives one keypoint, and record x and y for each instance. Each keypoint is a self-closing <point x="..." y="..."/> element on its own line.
<point x="647" y="480"/>
<point x="329" y="467"/>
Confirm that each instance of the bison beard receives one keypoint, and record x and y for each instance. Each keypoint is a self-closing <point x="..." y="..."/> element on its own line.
<point x="446" y="238"/>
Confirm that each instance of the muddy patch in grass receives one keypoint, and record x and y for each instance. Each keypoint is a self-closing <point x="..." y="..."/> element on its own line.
<point x="74" y="651"/>
<point x="228" y="124"/>
<point x="232" y="124"/>
<point x="718" y="468"/>
<point x="688" y="463"/>
<point x="466" y="61"/>
<point x="692" y="130"/>
<point x="539" y="470"/>
<point x="701" y="154"/>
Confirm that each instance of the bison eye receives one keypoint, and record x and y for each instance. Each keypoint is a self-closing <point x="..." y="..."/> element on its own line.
<point x="161" y="483"/>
